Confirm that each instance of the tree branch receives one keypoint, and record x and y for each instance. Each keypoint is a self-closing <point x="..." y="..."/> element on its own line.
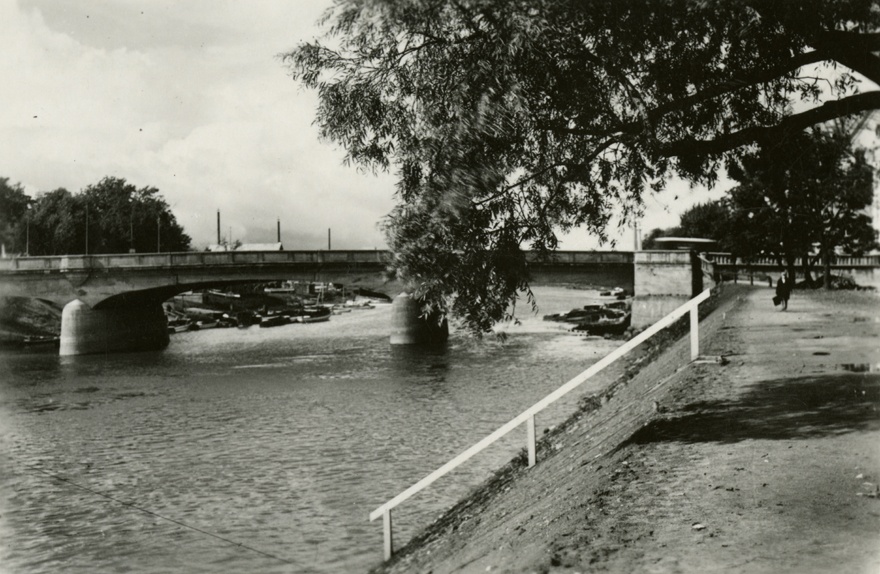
<point x="827" y="111"/>
<point x="758" y="77"/>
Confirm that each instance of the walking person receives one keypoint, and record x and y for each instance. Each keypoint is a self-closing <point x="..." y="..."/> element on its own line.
<point x="783" y="289"/>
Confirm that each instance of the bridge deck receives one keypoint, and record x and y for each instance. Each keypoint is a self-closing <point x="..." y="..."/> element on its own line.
<point x="135" y="261"/>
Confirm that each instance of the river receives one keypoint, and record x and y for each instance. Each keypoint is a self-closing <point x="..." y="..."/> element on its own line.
<point x="259" y="450"/>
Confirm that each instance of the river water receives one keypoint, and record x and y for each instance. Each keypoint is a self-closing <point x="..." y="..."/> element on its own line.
<point x="260" y="450"/>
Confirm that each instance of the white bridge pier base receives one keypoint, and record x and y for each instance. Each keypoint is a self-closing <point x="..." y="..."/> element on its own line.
<point x="87" y="331"/>
<point x="408" y="327"/>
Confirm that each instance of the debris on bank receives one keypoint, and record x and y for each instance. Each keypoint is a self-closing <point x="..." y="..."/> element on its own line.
<point x="612" y="318"/>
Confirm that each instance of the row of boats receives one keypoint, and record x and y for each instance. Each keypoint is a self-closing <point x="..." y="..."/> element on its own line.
<point x="202" y="319"/>
<point x="199" y="319"/>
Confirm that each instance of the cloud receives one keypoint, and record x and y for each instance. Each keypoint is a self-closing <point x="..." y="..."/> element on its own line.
<point x="186" y="97"/>
<point x="191" y="98"/>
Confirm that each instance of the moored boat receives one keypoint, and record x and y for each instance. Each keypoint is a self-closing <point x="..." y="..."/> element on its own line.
<point x="314" y="319"/>
<point x="313" y="315"/>
<point x="178" y="325"/>
<point x="274" y="320"/>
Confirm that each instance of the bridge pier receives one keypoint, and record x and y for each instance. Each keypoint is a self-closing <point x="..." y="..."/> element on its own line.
<point x="664" y="280"/>
<point x="409" y="328"/>
<point x="86" y="331"/>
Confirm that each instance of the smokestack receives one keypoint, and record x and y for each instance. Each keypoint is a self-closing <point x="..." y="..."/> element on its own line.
<point x="279" y="230"/>
<point x="218" y="227"/>
<point x="328" y="239"/>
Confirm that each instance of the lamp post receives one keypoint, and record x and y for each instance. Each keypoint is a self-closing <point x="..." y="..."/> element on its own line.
<point x="131" y="227"/>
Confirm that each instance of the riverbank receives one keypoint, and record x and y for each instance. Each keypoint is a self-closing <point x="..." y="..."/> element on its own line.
<point x="23" y="319"/>
<point x="766" y="460"/>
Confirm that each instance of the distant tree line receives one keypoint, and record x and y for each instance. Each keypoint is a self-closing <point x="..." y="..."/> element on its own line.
<point x="806" y="197"/>
<point x="112" y="216"/>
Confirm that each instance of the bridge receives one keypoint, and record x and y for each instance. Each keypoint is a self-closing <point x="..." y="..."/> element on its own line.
<point x="114" y="302"/>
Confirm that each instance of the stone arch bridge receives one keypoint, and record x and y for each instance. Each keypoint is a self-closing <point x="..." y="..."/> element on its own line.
<point x="113" y="302"/>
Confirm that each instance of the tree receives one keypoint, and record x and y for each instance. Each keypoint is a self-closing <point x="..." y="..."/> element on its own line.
<point x="124" y="217"/>
<point x="57" y="224"/>
<point x="14" y="204"/>
<point x="112" y="216"/>
<point x="710" y="220"/>
<point x="508" y="122"/>
<point x="650" y="240"/>
<point x="807" y="192"/>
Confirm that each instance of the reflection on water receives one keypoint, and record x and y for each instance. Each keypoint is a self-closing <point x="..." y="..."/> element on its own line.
<point x="281" y="440"/>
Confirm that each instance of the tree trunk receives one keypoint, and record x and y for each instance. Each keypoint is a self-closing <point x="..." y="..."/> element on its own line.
<point x="790" y="262"/>
<point x="808" y="276"/>
<point x="826" y="262"/>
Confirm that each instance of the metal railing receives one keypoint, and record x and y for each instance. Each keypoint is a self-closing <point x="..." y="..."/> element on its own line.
<point x="838" y="261"/>
<point x="528" y="416"/>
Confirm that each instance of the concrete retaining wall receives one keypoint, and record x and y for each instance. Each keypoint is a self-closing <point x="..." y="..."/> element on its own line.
<point x="663" y="281"/>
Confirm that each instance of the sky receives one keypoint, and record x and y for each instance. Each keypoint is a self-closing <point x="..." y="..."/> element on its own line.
<point x="192" y="98"/>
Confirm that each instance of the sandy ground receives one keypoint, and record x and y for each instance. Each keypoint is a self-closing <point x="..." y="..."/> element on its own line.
<point x="765" y="461"/>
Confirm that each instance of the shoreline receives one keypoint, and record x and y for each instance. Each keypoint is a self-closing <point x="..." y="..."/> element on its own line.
<point x="619" y="382"/>
<point x="764" y="461"/>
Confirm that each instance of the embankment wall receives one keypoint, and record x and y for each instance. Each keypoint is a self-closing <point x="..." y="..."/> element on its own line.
<point x="518" y="499"/>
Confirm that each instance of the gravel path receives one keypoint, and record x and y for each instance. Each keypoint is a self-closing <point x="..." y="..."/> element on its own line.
<point x="765" y="461"/>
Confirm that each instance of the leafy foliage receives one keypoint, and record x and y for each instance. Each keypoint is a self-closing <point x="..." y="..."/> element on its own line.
<point x="806" y="193"/>
<point x="13" y="205"/>
<point x="508" y="122"/>
<point x="112" y="216"/>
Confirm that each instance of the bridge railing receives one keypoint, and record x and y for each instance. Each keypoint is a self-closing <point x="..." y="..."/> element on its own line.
<point x="584" y="257"/>
<point x="189" y="258"/>
<point x="528" y="415"/>
<point x="841" y="261"/>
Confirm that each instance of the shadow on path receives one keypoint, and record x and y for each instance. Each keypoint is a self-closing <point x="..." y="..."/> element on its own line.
<point x="791" y="408"/>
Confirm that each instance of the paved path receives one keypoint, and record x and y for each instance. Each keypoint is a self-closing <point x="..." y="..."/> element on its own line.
<point x="768" y="463"/>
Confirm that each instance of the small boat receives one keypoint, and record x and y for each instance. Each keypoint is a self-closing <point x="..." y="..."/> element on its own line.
<point x="40" y="341"/>
<point x="202" y="325"/>
<point x="287" y="287"/>
<point x="605" y="325"/>
<point x="315" y="319"/>
<point x="224" y="294"/>
<point x="313" y="315"/>
<point x="244" y="319"/>
<point x="178" y="325"/>
<point x="274" y="320"/>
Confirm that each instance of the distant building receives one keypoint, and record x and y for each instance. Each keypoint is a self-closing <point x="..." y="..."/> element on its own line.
<point x="260" y="247"/>
<point x="246" y="247"/>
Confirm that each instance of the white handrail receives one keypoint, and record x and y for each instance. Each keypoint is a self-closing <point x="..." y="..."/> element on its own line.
<point x="528" y="414"/>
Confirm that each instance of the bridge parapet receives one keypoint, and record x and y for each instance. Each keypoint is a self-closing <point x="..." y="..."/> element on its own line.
<point x="63" y="263"/>
<point x="845" y="262"/>
<point x="584" y="257"/>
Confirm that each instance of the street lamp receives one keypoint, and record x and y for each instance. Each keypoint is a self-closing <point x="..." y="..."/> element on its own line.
<point x="131" y="226"/>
